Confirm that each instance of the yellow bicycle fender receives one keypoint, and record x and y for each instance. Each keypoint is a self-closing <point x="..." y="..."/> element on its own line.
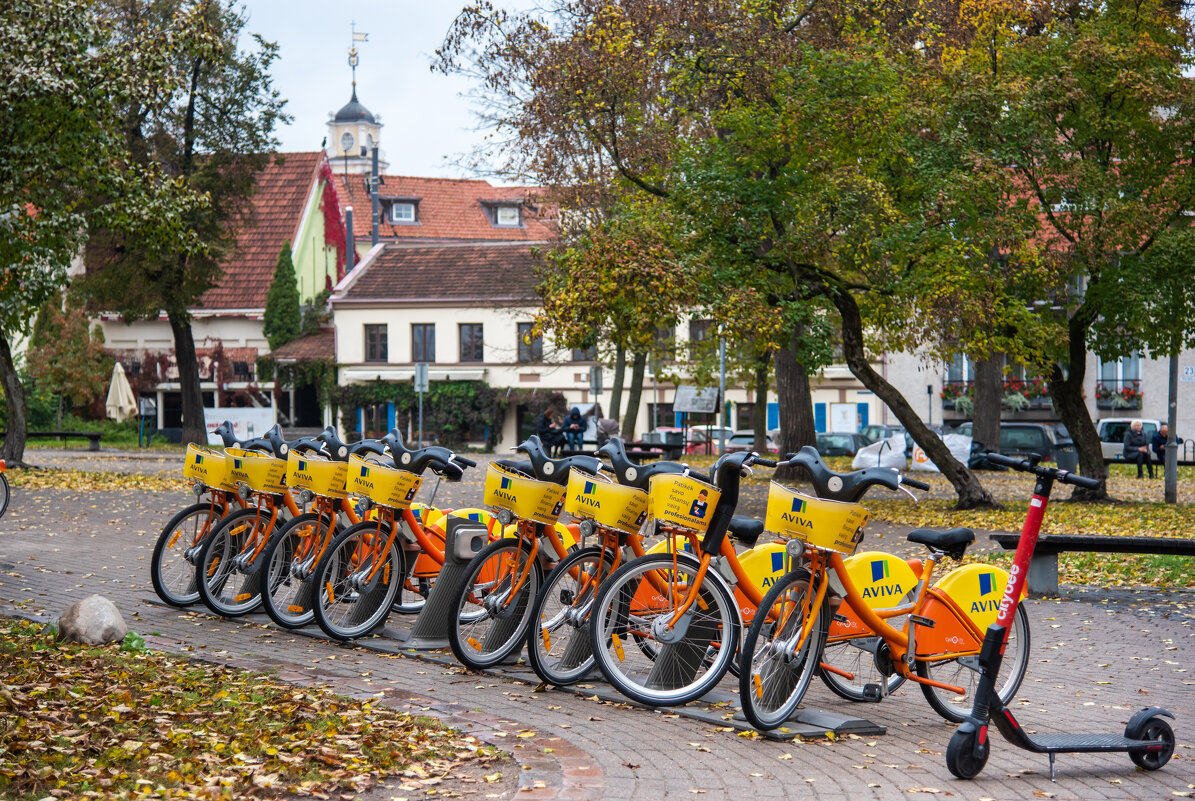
<point x="881" y="578"/>
<point x="665" y="545"/>
<point x="977" y="589"/>
<point x="765" y="564"/>
<point x="562" y="531"/>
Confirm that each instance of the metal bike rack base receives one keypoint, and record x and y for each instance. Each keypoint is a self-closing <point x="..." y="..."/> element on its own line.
<point x="814" y="723"/>
<point x="462" y="540"/>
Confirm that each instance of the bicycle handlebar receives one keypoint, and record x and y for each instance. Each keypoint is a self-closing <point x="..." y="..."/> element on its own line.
<point x="914" y="483"/>
<point x="1030" y="465"/>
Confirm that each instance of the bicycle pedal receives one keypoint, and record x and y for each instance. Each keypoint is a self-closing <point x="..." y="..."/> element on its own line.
<point x="872" y="692"/>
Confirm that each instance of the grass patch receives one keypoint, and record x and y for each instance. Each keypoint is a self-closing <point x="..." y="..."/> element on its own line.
<point x="1166" y="571"/>
<point x="84" y="722"/>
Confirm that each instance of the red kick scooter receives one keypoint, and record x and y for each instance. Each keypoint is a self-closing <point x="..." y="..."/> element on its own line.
<point x="1148" y="739"/>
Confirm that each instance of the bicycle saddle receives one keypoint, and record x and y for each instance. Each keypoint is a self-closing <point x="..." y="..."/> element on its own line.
<point x="746" y="529"/>
<point x="440" y="459"/>
<point x="554" y="470"/>
<point x="638" y="476"/>
<point x="953" y="541"/>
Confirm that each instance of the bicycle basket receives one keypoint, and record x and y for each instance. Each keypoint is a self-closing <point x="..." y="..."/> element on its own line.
<point x="207" y="466"/>
<point x="682" y="501"/>
<point x="831" y="525"/>
<point x="321" y="476"/>
<point x="385" y="486"/>
<point x="523" y="496"/>
<point x="599" y="499"/>
<point x="262" y="473"/>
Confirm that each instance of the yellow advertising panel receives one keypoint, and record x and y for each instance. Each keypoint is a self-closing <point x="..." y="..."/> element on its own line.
<point x="682" y="501"/>
<point x="525" y="497"/>
<point x="207" y="466"/>
<point x="599" y="499"/>
<point x="262" y="473"/>
<point x="831" y="525"/>
<point x="978" y="590"/>
<point x="321" y="476"/>
<point x="385" y="486"/>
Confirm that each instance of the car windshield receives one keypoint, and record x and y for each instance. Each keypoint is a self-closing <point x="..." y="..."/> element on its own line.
<point x="835" y="441"/>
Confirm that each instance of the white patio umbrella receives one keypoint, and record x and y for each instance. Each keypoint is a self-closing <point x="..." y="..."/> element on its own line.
<point x="121" y="403"/>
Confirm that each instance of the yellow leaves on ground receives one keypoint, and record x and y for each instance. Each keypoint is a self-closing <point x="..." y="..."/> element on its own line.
<point x="92" y="481"/>
<point x="123" y="725"/>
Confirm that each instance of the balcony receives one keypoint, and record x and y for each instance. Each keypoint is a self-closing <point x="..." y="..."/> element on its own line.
<point x="1119" y="394"/>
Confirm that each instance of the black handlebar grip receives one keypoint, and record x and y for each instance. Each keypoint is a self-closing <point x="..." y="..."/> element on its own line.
<point x="462" y="460"/>
<point x="1080" y="481"/>
<point x="914" y="483"/>
<point x="608" y="468"/>
<point x="1004" y="461"/>
<point x="765" y="462"/>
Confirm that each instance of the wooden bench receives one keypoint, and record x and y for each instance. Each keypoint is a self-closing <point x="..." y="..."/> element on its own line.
<point x="1043" y="566"/>
<point x="93" y="437"/>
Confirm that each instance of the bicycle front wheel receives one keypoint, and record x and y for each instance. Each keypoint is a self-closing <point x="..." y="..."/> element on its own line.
<point x="5" y="494"/>
<point x="672" y="662"/>
<point x="777" y="666"/>
<point x="356" y="583"/>
<point x="224" y="587"/>
<point x="493" y="604"/>
<point x="955" y="707"/>
<point x="172" y="567"/>
<point x="289" y="561"/>
<point x="558" y="646"/>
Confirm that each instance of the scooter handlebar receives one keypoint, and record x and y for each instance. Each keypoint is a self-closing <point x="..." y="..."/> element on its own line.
<point x="1031" y="466"/>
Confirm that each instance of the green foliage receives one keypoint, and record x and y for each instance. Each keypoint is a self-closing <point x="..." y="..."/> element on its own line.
<point x="133" y="643"/>
<point x="456" y="410"/>
<point x="316" y="314"/>
<point x="67" y="358"/>
<point x="41" y="407"/>
<point x="282" y="315"/>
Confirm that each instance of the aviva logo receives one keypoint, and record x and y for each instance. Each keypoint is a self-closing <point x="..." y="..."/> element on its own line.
<point x="777" y="561"/>
<point x="985" y="584"/>
<point x="590" y="488"/>
<point x="791" y="517"/>
<point x="302" y="466"/>
<point x="199" y="458"/>
<point x="236" y="464"/>
<point x="798" y="506"/>
<point x="364" y="472"/>
<point x="879" y="570"/>
<point x="505" y="483"/>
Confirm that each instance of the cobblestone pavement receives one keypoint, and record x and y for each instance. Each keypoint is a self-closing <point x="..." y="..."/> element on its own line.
<point x="1096" y="657"/>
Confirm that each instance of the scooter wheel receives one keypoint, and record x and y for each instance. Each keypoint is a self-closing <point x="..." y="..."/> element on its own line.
<point x="961" y="758"/>
<point x="1153" y="727"/>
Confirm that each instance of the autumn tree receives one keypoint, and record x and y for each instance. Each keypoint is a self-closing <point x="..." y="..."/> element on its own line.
<point x="64" y="165"/>
<point x="1090" y="105"/>
<point x="66" y="354"/>
<point x="213" y="134"/>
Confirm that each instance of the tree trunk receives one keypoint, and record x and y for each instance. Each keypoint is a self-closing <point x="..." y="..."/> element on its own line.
<point x="971" y="493"/>
<point x="638" y="368"/>
<point x="620" y="368"/>
<point x="759" y="411"/>
<point x="13" y="451"/>
<point x="796" y="405"/>
<point x="1067" y="393"/>
<point x="194" y="427"/>
<point x="989" y="393"/>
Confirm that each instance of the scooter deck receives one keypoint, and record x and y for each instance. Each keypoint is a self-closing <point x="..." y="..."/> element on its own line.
<point x="1078" y="743"/>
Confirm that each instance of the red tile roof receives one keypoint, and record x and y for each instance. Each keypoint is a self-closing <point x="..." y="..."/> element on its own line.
<point x="278" y="204"/>
<point x="319" y="345"/>
<point x="449" y="208"/>
<point x="494" y="272"/>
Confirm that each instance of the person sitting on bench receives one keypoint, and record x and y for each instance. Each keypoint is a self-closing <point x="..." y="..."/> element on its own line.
<point x="1136" y="449"/>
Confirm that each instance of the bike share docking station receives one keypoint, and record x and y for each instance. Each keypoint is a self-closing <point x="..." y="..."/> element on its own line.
<point x="463" y="539"/>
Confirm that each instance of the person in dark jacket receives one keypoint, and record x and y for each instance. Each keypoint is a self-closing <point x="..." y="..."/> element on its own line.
<point x="1136" y="449"/>
<point x="549" y="431"/>
<point x="574" y="429"/>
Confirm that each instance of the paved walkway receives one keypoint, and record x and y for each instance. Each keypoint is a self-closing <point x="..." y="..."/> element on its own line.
<point x="1094" y="661"/>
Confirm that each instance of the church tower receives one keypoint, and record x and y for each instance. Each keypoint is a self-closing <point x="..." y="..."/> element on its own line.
<point x="354" y="130"/>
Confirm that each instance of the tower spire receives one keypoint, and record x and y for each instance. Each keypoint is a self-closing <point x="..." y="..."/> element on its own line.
<point x="353" y="57"/>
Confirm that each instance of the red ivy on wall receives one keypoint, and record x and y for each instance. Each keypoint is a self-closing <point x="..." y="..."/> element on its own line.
<point x="333" y="224"/>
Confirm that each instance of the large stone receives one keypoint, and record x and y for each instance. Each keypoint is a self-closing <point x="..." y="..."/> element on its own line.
<point x="95" y="620"/>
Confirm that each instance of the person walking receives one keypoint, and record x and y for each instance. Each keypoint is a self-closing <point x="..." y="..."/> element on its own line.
<point x="1136" y="449"/>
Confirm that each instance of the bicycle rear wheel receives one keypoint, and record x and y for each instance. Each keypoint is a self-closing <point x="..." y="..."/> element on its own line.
<point x="558" y="646"/>
<point x="774" y="674"/>
<point x="956" y="707"/>
<point x="493" y="604"/>
<point x="289" y="560"/>
<point x="172" y="567"/>
<point x="855" y="656"/>
<point x="223" y="586"/>
<point x="671" y="664"/>
<point x="355" y="583"/>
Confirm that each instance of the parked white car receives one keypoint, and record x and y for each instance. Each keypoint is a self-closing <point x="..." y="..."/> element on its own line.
<point x="1113" y="429"/>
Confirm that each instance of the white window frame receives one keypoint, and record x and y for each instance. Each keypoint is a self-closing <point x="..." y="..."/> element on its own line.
<point x="395" y="206"/>
<point x="518" y="216"/>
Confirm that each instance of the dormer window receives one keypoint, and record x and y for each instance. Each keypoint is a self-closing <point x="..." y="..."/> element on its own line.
<point x="402" y="212"/>
<point x="504" y="213"/>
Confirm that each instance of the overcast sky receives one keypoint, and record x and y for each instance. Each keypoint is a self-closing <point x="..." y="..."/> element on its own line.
<point x="427" y="122"/>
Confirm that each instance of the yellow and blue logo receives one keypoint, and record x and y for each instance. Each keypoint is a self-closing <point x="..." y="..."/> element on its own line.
<point x="777" y="561"/>
<point x="879" y="570"/>
<point x="302" y="465"/>
<point x="985" y="584"/>
<point x="590" y="488"/>
<point x="798" y="506"/>
<point x="364" y="471"/>
<point x="199" y="458"/>
<point x="236" y="464"/>
<point x="505" y="483"/>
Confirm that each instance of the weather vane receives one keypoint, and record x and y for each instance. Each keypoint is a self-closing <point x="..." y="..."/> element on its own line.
<point x="353" y="58"/>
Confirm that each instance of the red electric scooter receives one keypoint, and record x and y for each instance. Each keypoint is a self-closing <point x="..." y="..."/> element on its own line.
<point x="1148" y="738"/>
